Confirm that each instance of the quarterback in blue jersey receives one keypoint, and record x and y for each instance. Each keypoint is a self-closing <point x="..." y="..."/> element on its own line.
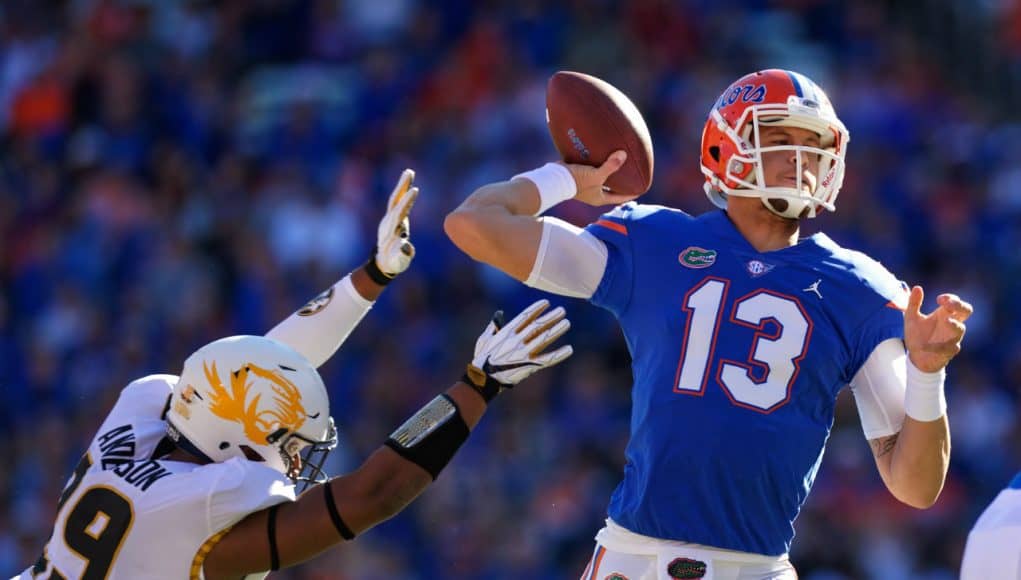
<point x="741" y="332"/>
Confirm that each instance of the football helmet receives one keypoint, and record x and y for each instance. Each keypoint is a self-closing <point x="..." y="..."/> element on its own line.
<point x="732" y="149"/>
<point x="257" y="398"/>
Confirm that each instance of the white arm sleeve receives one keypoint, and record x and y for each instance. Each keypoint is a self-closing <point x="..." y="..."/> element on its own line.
<point x="570" y="261"/>
<point x="322" y="325"/>
<point x="879" y="389"/>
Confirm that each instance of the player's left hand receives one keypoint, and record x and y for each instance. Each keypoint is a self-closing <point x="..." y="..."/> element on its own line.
<point x="933" y="339"/>
<point x="510" y="353"/>
<point x="394" y="249"/>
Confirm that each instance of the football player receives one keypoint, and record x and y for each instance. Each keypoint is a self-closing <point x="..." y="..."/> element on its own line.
<point x="994" y="543"/>
<point x="193" y="476"/>
<point x="741" y="333"/>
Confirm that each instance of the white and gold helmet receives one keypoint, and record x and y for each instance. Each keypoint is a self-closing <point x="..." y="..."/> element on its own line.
<point x="257" y="398"/>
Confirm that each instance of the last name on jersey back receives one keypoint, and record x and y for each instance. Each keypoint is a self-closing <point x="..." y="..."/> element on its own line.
<point x="117" y="454"/>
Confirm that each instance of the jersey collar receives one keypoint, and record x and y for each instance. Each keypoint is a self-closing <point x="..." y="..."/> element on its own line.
<point x="720" y="224"/>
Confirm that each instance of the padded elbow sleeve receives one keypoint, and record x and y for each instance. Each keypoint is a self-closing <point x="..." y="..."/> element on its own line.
<point x="570" y="261"/>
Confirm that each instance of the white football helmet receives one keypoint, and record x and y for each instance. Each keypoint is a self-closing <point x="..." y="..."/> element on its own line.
<point x="253" y="397"/>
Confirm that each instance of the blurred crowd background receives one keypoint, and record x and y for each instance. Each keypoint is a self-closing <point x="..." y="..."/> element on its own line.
<point x="173" y="171"/>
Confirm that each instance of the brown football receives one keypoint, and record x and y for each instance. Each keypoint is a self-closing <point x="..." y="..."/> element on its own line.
<point x="589" y="118"/>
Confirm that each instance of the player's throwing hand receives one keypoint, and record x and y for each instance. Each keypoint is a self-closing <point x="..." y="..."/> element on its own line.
<point x="933" y="339"/>
<point x="590" y="181"/>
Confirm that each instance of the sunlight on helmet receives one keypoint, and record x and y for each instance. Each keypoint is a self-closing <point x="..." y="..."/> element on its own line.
<point x="254" y="398"/>
<point x="732" y="148"/>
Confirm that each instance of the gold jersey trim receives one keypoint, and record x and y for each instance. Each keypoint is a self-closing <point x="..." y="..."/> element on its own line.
<point x="203" y="552"/>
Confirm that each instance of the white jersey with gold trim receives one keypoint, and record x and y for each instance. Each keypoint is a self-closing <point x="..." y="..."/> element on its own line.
<point x="127" y="515"/>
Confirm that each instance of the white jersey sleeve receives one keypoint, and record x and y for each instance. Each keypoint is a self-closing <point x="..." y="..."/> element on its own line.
<point x="319" y="328"/>
<point x="570" y="261"/>
<point x="135" y="426"/>
<point x="243" y="488"/>
<point x="879" y="388"/>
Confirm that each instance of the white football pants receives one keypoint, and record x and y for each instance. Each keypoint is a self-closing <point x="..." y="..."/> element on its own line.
<point x="623" y="555"/>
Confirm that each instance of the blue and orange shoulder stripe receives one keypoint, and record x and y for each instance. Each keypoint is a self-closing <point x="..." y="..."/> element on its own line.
<point x="612" y="225"/>
<point x="624" y="218"/>
<point x="616" y="220"/>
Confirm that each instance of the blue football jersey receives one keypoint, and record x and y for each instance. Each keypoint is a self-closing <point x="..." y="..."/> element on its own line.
<point x="737" y="360"/>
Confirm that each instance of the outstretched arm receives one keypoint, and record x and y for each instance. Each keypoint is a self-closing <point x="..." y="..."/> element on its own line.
<point x="319" y="328"/>
<point x="498" y="224"/>
<point x="401" y="469"/>
<point x="379" y="489"/>
<point x="913" y="463"/>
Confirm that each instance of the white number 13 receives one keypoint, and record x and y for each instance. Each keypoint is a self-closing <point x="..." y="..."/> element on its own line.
<point x="762" y="382"/>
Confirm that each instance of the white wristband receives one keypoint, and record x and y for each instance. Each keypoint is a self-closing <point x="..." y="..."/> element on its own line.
<point x="555" y="184"/>
<point x="924" y="399"/>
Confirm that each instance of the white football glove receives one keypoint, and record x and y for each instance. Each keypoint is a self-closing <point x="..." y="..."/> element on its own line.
<point x="510" y="353"/>
<point x="394" y="250"/>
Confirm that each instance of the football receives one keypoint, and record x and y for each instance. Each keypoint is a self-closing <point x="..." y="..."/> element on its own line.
<point x="589" y="118"/>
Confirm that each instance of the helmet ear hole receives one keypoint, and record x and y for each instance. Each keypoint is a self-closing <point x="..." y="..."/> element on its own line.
<point x="726" y="162"/>
<point x="224" y="445"/>
<point x="714" y="152"/>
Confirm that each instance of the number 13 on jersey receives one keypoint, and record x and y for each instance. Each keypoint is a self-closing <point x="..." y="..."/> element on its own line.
<point x="762" y="381"/>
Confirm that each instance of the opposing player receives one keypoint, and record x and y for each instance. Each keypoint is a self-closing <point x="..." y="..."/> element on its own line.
<point x="194" y="476"/>
<point x="741" y="334"/>
<point x="994" y="543"/>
